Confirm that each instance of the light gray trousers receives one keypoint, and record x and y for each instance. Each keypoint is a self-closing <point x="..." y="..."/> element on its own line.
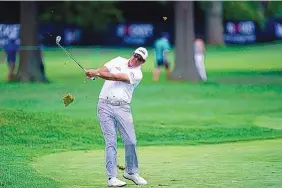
<point x="119" y="118"/>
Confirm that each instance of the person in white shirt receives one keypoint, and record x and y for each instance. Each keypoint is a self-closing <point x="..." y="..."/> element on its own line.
<point x="199" y="55"/>
<point x="121" y="77"/>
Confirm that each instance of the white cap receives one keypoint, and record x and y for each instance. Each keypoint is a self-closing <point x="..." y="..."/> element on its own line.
<point x="142" y="51"/>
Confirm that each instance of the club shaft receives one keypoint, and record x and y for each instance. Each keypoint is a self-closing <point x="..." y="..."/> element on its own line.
<point x="70" y="55"/>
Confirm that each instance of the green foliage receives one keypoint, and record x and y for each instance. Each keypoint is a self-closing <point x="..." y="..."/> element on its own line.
<point x="274" y="9"/>
<point x="242" y="10"/>
<point x="203" y="4"/>
<point x="252" y="10"/>
<point x="248" y="10"/>
<point x="84" y="13"/>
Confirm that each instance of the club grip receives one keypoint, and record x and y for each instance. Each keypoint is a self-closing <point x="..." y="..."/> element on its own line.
<point x="91" y="78"/>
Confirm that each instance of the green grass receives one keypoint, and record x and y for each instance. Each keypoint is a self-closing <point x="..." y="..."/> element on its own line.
<point x="241" y="102"/>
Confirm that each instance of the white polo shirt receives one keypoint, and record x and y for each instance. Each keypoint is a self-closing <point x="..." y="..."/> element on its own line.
<point x="118" y="90"/>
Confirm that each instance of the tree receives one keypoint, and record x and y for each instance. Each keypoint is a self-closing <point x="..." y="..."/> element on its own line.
<point x="30" y="65"/>
<point x="185" y="68"/>
<point x="214" y="22"/>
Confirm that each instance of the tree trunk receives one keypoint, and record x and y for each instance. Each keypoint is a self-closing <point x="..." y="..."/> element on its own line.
<point x="30" y="65"/>
<point x="185" y="68"/>
<point x="214" y="25"/>
<point x="262" y="6"/>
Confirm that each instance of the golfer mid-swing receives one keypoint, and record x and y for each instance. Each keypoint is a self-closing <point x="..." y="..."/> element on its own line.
<point x="121" y="78"/>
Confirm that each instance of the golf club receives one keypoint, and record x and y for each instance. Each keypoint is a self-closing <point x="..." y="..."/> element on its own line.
<point x="58" y="39"/>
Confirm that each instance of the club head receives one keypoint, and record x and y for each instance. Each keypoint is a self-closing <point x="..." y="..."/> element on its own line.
<point x="58" y="39"/>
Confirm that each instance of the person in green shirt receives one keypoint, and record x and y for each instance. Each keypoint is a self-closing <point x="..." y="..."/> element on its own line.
<point x="162" y="48"/>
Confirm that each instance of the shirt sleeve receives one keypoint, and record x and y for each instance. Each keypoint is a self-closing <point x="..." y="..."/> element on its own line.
<point x="134" y="77"/>
<point x="111" y="63"/>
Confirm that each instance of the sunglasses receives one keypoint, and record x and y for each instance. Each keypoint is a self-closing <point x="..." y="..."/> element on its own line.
<point x="138" y="57"/>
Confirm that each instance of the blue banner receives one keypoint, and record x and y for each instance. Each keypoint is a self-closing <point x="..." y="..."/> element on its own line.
<point x="142" y="34"/>
<point x="71" y="35"/>
<point x="134" y="34"/>
<point x="240" y="32"/>
<point x="9" y="31"/>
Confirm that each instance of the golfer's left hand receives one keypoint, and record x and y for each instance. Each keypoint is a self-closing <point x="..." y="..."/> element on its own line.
<point x="90" y="72"/>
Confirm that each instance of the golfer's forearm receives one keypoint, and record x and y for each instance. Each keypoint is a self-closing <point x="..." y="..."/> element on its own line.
<point x="93" y="72"/>
<point x="103" y="69"/>
<point x="113" y="77"/>
<point x="107" y="75"/>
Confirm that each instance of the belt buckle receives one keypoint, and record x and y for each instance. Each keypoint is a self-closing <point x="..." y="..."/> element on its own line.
<point x="114" y="102"/>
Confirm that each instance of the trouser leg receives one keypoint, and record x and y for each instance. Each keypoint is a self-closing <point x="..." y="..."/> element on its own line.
<point x="126" y="129"/>
<point x="107" y="122"/>
<point x="199" y="61"/>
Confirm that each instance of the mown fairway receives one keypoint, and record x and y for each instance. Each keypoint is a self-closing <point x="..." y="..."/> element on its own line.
<point x="186" y="125"/>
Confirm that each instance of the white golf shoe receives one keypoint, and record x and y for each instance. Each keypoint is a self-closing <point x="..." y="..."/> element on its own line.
<point x="138" y="180"/>
<point x="115" y="182"/>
